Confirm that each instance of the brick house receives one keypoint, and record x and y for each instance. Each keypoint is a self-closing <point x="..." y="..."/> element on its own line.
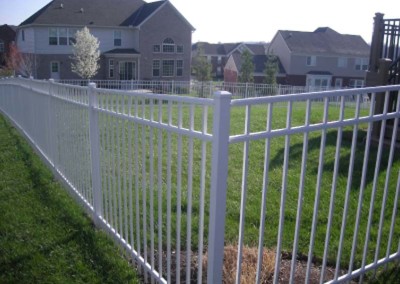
<point x="138" y="40"/>
<point x="219" y="53"/>
<point x="322" y="58"/>
<point x="7" y="36"/>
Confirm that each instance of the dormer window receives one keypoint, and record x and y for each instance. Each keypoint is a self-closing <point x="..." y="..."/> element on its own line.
<point x="168" y="45"/>
<point x="117" y="38"/>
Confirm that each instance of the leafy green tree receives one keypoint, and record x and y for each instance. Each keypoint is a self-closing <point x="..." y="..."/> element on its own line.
<point x="271" y="69"/>
<point x="201" y="66"/>
<point x="247" y="69"/>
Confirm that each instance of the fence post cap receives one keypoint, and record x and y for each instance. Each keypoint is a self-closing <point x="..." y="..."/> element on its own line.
<point x="51" y="80"/>
<point x="92" y="85"/>
<point x="222" y="94"/>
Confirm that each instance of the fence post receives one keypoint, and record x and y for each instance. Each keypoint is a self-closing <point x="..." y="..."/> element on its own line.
<point x="95" y="152"/>
<point x="219" y="173"/>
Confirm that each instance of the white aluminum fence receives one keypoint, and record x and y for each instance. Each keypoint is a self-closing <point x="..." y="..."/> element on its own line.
<point x="175" y="179"/>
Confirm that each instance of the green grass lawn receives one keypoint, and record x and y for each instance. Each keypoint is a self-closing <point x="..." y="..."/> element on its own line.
<point x="45" y="237"/>
<point x="255" y="181"/>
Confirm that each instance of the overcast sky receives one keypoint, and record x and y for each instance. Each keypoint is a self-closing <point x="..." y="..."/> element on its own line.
<point x="252" y="20"/>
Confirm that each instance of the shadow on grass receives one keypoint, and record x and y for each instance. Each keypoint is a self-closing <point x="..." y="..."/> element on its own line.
<point x="63" y="243"/>
<point x="314" y="145"/>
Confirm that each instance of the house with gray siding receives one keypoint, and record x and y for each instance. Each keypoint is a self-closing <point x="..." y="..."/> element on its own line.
<point x="138" y="40"/>
<point x="322" y="58"/>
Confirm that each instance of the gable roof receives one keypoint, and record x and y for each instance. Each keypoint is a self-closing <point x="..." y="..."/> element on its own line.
<point x="228" y="48"/>
<point x="325" y="40"/>
<point x="85" y="12"/>
<point x="216" y="48"/>
<point x="145" y="11"/>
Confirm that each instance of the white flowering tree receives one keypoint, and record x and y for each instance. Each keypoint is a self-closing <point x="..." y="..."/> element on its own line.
<point x="86" y="54"/>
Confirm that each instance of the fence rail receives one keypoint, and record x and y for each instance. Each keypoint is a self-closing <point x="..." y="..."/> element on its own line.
<point x="177" y="180"/>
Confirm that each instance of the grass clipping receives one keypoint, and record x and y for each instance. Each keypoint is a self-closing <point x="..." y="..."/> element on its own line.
<point x="249" y="264"/>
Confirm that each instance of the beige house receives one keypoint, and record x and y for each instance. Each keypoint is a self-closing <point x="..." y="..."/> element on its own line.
<point x="322" y="58"/>
<point x="138" y="40"/>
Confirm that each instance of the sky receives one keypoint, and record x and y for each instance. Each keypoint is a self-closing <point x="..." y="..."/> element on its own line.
<point x="252" y="20"/>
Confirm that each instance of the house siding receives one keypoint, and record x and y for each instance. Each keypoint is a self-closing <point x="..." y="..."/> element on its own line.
<point x="43" y="66"/>
<point x="279" y="48"/>
<point x="165" y="23"/>
<point x="27" y="45"/>
<point x="130" y="39"/>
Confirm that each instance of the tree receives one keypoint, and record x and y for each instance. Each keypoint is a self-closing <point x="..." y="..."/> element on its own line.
<point x="21" y="63"/>
<point x="247" y="69"/>
<point x="201" y="68"/>
<point x="86" y="54"/>
<point x="271" y="69"/>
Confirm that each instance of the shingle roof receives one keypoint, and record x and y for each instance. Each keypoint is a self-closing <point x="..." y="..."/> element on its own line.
<point x="257" y="48"/>
<point x="216" y="48"/>
<point x="325" y="40"/>
<point x="99" y="12"/>
<point x="142" y="13"/>
<point x="122" y="51"/>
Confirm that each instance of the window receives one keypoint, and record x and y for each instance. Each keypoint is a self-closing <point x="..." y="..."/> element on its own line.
<point x="179" y="48"/>
<point x="1" y="46"/>
<point x="338" y="82"/>
<point x="62" y="36"/>
<point x="71" y="36"/>
<point x="168" y="68"/>
<point x="219" y="71"/>
<point x="342" y="62"/>
<point x="361" y="64"/>
<point x="219" y="60"/>
<point x="53" y="36"/>
<point x="23" y="35"/>
<point x="156" y="68"/>
<point x="117" y="38"/>
<point x="356" y="83"/>
<point x="168" y="45"/>
<point x="156" y="48"/>
<point x="311" y="61"/>
<point x="179" y="68"/>
<point x="54" y="67"/>
<point x="111" y="68"/>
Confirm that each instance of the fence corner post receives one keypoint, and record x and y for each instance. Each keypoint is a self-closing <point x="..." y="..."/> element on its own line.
<point x="95" y="152"/>
<point x="219" y="174"/>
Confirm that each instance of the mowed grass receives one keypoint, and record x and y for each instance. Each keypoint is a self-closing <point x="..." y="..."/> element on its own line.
<point x="45" y="237"/>
<point x="255" y="179"/>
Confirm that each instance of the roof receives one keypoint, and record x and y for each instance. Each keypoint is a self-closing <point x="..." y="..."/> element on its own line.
<point x="325" y="40"/>
<point x="142" y="13"/>
<point x="216" y="48"/>
<point x="227" y="48"/>
<point x="122" y="51"/>
<point x="84" y="12"/>
<point x="259" y="62"/>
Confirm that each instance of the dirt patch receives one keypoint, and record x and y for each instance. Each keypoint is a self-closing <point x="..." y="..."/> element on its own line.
<point x="248" y="267"/>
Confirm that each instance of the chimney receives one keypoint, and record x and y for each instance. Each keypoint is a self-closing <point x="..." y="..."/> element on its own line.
<point x="81" y="10"/>
<point x="61" y="5"/>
